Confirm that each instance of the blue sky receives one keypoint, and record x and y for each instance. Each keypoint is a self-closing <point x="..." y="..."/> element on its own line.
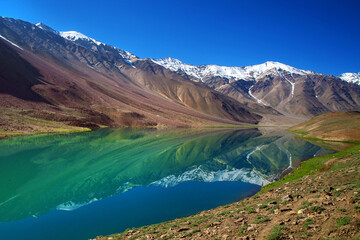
<point x="322" y="36"/>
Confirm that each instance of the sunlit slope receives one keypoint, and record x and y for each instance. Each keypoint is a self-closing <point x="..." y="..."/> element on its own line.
<point x="335" y="126"/>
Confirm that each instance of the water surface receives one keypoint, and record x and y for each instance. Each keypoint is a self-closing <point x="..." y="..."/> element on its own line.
<point x="78" y="186"/>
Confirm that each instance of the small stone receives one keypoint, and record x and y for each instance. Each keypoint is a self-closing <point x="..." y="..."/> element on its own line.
<point x="313" y="226"/>
<point x="295" y="223"/>
<point x="287" y="198"/>
<point x="251" y="229"/>
<point x="291" y="213"/>
<point x="225" y="236"/>
<point x="239" y="220"/>
<point x="183" y="229"/>
<point x="287" y="220"/>
<point x="215" y="224"/>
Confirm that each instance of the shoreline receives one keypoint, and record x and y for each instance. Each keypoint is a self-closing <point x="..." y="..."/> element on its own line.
<point x="307" y="169"/>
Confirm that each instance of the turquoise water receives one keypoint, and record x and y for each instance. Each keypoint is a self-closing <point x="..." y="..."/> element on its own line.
<point x="78" y="186"/>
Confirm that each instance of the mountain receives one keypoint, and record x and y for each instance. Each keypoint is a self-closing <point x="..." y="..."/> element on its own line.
<point x="291" y="91"/>
<point x="62" y="81"/>
<point x="68" y="78"/>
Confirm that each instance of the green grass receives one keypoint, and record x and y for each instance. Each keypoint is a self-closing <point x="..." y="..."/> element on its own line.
<point x="310" y="167"/>
<point x="343" y="221"/>
<point x="261" y="219"/>
<point x="276" y="233"/>
<point x="308" y="222"/>
<point x="250" y="210"/>
<point x="357" y="208"/>
<point x="317" y="209"/>
<point x="242" y="230"/>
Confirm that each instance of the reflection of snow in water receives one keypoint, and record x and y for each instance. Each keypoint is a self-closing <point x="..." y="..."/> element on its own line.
<point x="202" y="175"/>
<point x="8" y="200"/>
<point x="258" y="148"/>
<point x="70" y="206"/>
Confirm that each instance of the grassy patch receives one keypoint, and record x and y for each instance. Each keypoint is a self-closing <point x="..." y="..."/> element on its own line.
<point x="305" y="204"/>
<point x="308" y="222"/>
<point x="250" y="210"/>
<point x="242" y="230"/>
<point x="317" y="209"/>
<point x="310" y="167"/>
<point x="261" y="219"/>
<point x="343" y="221"/>
<point x="276" y="233"/>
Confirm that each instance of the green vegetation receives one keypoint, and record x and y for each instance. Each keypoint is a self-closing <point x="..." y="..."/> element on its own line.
<point x="317" y="209"/>
<point x="308" y="222"/>
<point x="250" y="210"/>
<point x="261" y="219"/>
<point x="17" y="123"/>
<point x="343" y="221"/>
<point x="276" y="233"/>
<point x="310" y="167"/>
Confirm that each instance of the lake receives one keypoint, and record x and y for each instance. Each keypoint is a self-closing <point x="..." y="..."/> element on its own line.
<point x="80" y="185"/>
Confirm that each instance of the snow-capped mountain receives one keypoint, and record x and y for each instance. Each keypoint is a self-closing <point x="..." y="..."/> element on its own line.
<point x="286" y="89"/>
<point x="247" y="73"/>
<point x="88" y="42"/>
<point x="351" y="77"/>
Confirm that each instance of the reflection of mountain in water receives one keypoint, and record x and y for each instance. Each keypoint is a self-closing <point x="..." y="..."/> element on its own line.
<point x="42" y="173"/>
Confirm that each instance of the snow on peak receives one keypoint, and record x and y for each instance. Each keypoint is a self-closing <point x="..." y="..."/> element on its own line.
<point x="46" y="28"/>
<point x="351" y="77"/>
<point x="247" y="73"/>
<point x="74" y="36"/>
<point x="176" y="65"/>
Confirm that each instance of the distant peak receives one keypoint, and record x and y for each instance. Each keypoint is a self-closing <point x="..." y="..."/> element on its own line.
<point x="351" y="77"/>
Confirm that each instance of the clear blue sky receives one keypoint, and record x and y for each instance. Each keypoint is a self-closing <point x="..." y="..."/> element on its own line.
<point x="323" y="36"/>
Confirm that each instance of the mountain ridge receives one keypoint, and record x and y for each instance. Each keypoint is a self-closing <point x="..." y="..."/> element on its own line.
<point x="80" y="81"/>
